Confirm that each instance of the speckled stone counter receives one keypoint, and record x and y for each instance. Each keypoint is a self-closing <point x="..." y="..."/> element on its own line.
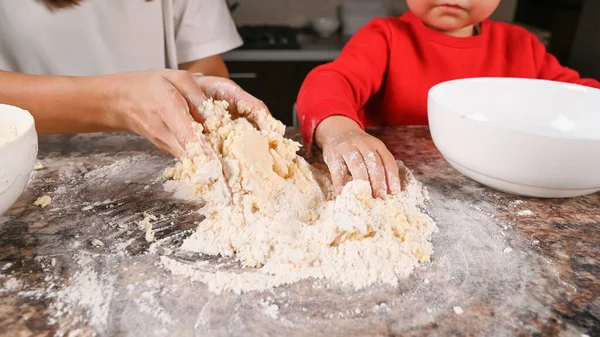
<point x="502" y="266"/>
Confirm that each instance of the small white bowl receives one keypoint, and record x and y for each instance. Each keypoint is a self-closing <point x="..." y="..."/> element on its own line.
<point x="17" y="156"/>
<point x="527" y="137"/>
<point x="325" y="26"/>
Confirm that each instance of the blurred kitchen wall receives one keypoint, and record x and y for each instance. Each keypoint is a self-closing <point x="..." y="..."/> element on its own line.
<point x="585" y="54"/>
<point x="297" y="13"/>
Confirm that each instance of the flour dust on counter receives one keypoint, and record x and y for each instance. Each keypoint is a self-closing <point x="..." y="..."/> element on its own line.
<point x="279" y="218"/>
<point x="54" y="281"/>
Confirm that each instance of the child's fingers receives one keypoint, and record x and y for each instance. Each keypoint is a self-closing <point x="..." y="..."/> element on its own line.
<point x="391" y="171"/>
<point x="356" y="164"/>
<point x="337" y="168"/>
<point x="376" y="173"/>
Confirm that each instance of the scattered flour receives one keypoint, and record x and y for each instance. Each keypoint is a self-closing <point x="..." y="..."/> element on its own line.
<point x="279" y="217"/>
<point x="87" y="290"/>
<point x="43" y="201"/>
<point x="526" y="212"/>
<point x="8" y="133"/>
<point x="269" y="309"/>
<point x="12" y="284"/>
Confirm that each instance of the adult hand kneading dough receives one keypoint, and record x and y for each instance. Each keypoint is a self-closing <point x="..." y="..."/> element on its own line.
<point x="160" y="105"/>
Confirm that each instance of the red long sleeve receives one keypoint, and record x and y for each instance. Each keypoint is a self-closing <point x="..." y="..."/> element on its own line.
<point x="345" y="86"/>
<point x="385" y="71"/>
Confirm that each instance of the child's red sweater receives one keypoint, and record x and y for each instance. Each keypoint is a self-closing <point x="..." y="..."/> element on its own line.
<point x="385" y="71"/>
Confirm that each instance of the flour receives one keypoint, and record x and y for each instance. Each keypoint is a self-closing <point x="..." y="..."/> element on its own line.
<point x="87" y="290"/>
<point x="525" y="212"/>
<point x="269" y="309"/>
<point x="85" y="298"/>
<point x="278" y="216"/>
<point x="8" y="133"/>
<point x="13" y="284"/>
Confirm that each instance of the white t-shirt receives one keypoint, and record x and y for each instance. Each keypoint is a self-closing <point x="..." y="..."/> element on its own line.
<point x="106" y="36"/>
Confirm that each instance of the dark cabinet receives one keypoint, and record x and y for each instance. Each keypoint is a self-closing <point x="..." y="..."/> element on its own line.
<point x="274" y="82"/>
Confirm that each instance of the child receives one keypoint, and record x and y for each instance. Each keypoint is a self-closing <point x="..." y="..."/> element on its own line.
<point x="385" y="71"/>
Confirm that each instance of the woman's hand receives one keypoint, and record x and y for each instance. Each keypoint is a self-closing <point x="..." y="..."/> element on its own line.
<point x="242" y="104"/>
<point x="346" y="147"/>
<point x="162" y="105"/>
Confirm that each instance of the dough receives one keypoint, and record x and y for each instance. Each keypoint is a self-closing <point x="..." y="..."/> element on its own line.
<point x="43" y="201"/>
<point x="279" y="217"/>
<point x="146" y="226"/>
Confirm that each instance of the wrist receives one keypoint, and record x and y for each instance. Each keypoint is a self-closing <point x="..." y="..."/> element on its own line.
<point x="333" y="126"/>
<point x="108" y="101"/>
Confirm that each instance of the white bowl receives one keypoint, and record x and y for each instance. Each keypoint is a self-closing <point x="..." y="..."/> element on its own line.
<point x="527" y="137"/>
<point x="325" y="26"/>
<point x="17" y="156"/>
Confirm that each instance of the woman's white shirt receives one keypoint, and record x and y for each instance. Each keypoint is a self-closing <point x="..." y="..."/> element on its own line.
<point x="106" y="36"/>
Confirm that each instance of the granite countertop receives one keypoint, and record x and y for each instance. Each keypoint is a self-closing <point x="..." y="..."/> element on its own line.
<point x="502" y="266"/>
<point x="313" y="49"/>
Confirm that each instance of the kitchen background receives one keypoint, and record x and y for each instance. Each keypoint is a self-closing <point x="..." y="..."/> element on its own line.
<point x="282" y="44"/>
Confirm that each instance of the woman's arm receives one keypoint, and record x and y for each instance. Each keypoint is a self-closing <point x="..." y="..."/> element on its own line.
<point x="209" y="66"/>
<point x="160" y="105"/>
<point x="60" y="104"/>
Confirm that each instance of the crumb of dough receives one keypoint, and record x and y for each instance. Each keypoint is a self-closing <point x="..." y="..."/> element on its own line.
<point x="526" y="212"/>
<point x="458" y="310"/>
<point x="38" y="166"/>
<point x="128" y="182"/>
<point x="97" y="243"/>
<point x="43" y="201"/>
<point x="146" y="226"/>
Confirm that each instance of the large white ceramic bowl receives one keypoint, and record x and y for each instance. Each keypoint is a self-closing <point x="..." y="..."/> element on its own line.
<point x="17" y="156"/>
<point x="527" y="137"/>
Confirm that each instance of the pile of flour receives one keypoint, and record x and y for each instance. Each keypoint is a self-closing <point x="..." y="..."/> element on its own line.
<point x="279" y="217"/>
<point x="8" y="133"/>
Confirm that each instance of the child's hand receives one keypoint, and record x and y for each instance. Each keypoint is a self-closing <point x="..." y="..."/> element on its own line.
<point x="347" y="147"/>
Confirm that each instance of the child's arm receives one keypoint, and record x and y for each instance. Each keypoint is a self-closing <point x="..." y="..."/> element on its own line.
<point x="344" y="86"/>
<point x="328" y="105"/>
<point x="548" y="68"/>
